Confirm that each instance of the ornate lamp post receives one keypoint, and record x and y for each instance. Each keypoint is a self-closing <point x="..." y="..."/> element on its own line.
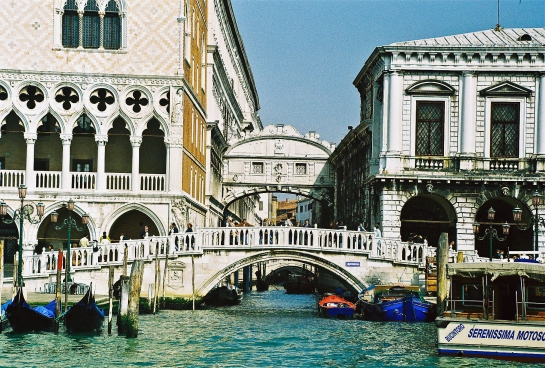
<point x="69" y="223"/>
<point x="24" y="212"/>
<point x="517" y="216"/>
<point x="491" y="233"/>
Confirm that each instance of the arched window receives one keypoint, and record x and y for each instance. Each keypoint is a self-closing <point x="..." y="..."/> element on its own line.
<point x="91" y="26"/>
<point x="70" y="25"/>
<point x="112" y="26"/>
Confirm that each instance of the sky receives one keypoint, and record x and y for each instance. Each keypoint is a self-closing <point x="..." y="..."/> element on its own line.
<point x="305" y="54"/>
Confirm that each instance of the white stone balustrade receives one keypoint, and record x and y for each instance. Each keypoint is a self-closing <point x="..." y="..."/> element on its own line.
<point x="181" y="244"/>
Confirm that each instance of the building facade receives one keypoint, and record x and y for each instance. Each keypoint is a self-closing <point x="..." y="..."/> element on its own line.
<point x="232" y="106"/>
<point x="107" y="102"/>
<point x="449" y="128"/>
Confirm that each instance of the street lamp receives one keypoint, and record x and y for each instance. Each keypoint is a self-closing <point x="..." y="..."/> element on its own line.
<point x="24" y="212"/>
<point x="517" y="215"/>
<point x="491" y="233"/>
<point x="69" y="222"/>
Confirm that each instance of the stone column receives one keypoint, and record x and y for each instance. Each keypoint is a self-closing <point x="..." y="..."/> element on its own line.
<point x="540" y="124"/>
<point x="135" y="174"/>
<point x="66" y="176"/>
<point x="394" y="122"/>
<point x="468" y="115"/>
<point x="80" y="43"/>
<point x="101" y="162"/>
<point x="30" y="180"/>
<point x="101" y="15"/>
<point x="174" y="163"/>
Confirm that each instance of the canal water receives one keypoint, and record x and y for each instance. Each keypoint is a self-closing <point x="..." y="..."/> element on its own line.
<point x="268" y="329"/>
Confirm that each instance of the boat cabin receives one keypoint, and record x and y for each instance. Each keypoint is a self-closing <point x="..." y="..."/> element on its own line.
<point x="510" y="291"/>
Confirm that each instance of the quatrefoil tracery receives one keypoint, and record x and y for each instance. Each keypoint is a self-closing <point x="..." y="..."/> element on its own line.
<point x="136" y="101"/>
<point x="102" y="98"/>
<point x="3" y="94"/>
<point x="165" y="101"/>
<point x="67" y="96"/>
<point x="31" y="95"/>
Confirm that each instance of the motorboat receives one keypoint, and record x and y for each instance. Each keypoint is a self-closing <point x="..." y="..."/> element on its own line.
<point x="335" y="306"/>
<point x="223" y="295"/>
<point x="494" y="310"/>
<point x="400" y="303"/>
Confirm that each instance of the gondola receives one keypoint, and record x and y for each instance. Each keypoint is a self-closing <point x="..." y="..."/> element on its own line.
<point x="84" y="316"/>
<point x="23" y="318"/>
<point x="298" y="284"/>
<point x="3" y="318"/>
<point x="222" y="296"/>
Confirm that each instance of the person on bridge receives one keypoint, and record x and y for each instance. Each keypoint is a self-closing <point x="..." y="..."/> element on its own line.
<point x="84" y="242"/>
<point x="105" y="239"/>
<point x="378" y="235"/>
<point x="144" y="233"/>
<point x="174" y="230"/>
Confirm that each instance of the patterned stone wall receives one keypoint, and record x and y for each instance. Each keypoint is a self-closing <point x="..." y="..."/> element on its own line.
<point x="152" y="39"/>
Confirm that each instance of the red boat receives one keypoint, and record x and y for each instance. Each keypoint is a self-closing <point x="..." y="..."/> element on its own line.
<point x="335" y="306"/>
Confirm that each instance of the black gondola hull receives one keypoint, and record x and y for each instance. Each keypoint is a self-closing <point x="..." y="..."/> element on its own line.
<point x="23" y="318"/>
<point x="84" y="316"/>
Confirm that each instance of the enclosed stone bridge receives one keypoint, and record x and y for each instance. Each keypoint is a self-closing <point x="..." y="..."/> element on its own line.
<point x="198" y="261"/>
<point x="278" y="159"/>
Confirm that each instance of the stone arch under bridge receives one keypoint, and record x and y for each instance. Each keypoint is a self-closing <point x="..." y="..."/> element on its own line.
<point x="278" y="159"/>
<point x="336" y="269"/>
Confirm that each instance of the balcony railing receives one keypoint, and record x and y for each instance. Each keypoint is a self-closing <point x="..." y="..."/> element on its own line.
<point x="118" y="182"/>
<point x="84" y="180"/>
<point x="12" y="178"/>
<point x="153" y="182"/>
<point x="505" y="164"/>
<point x="48" y="179"/>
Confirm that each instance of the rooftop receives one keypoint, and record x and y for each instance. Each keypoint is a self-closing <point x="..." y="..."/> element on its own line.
<point x="506" y="37"/>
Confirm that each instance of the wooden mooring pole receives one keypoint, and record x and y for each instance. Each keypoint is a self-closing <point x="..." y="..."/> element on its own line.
<point x="165" y="274"/>
<point x="137" y="273"/>
<point x="110" y="297"/>
<point x="157" y="277"/>
<point x="442" y="260"/>
<point x="193" y="278"/>
<point x="123" y="305"/>
<point x="1" y="269"/>
<point x="1" y="272"/>
<point x="66" y="276"/>
<point x="58" y="305"/>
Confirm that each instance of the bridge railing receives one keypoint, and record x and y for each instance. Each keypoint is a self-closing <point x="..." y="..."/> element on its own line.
<point x="112" y="254"/>
<point x="389" y="249"/>
<point x="313" y="239"/>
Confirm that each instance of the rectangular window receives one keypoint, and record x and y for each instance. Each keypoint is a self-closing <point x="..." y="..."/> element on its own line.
<point x="70" y="29"/>
<point x="261" y="205"/>
<point x="82" y="165"/>
<point x="91" y="31"/>
<point x="41" y="164"/>
<point x="472" y="295"/>
<point x="300" y="169"/>
<point x="112" y="32"/>
<point x="430" y="120"/>
<point x="504" y="135"/>
<point x="257" y="167"/>
<point x="535" y="296"/>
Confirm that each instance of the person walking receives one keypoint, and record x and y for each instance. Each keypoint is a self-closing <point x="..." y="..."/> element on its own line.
<point x="144" y="233"/>
<point x="378" y="235"/>
<point x="174" y="230"/>
<point x="84" y="242"/>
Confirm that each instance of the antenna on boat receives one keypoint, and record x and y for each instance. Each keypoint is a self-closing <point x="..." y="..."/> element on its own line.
<point x="498" y="27"/>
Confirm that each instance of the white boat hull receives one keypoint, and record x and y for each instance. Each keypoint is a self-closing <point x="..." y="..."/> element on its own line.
<point x="522" y="341"/>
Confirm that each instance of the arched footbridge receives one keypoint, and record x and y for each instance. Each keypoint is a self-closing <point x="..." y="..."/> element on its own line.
<point x="197" y="261"/>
